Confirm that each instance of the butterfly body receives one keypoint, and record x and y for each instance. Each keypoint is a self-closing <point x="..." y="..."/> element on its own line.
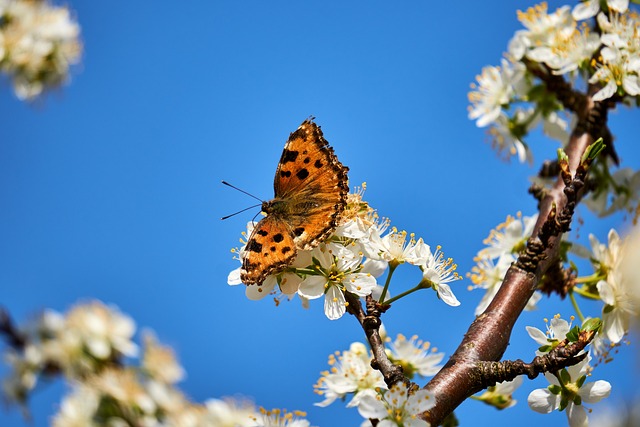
<point x="310" y="189"/>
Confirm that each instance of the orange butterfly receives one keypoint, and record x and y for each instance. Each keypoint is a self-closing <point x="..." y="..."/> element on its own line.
<point x="310" y="195"/>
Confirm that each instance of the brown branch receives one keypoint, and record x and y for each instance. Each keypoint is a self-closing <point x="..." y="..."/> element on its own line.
<point x="488" y="335"/>
<point x="14" y="338"/>
<point x="594" y="122"/>
<point x="370" y="322"/>
<point x="569" y="98"/>
<point x="564" y="355"/>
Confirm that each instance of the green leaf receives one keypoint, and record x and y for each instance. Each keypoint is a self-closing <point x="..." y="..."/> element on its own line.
<point x="592" y="325"/>
<point x="545" y="348"/>
<point x="593" y="150"/>
<point x="562" y="156"/>
<point x="573" y="334"/>
<point x="565" y="378"/>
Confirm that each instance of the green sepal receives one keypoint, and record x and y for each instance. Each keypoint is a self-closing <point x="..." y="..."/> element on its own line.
<point x="555" y="389"/>
<point x="564" y="401"/>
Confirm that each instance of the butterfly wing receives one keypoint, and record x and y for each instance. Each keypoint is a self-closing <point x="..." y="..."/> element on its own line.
<point x="310" y="195"/>
<point x="270" y="248"/>
<point x="312" y="183"/>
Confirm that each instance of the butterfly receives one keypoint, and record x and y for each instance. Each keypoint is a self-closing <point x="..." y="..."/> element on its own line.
<point x="310" y="189"/>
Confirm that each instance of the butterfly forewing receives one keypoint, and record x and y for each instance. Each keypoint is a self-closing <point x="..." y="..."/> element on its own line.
<point x="310" y="195"/>
<point x="313" y="182"/>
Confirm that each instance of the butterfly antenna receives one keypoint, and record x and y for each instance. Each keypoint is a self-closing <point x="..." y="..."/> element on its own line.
<point x="242" y="191"/>
<point x="245" y="209"/>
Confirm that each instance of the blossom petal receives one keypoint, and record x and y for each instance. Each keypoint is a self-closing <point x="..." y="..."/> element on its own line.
<point x="577" y="416"/>
<point x="615" y="325"/>
<point x="234" y="277"/>
<point x="537" y="335"/>
<point x="444" y="292"/>
<point x="542" y="401"/>
<point x="334" y="303"/>
<point x="257" y="292"/>
<point x="606" y="292"/>
<point x="586" y="10"/>
<point x="312" y="287"/>
<point x="371" y="407"/>
<point x="595" y="392"/>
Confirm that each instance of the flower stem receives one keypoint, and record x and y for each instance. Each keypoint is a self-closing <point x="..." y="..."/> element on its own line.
<point x="575" y="306"/>
<point x="584" y="293"/>
<point x="392" y="268"/>
<point x="595" y="277"/>
<point x="402" y="295"/>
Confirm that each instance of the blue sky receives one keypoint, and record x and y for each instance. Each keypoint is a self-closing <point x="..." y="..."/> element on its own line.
<point x="110" y="188"/>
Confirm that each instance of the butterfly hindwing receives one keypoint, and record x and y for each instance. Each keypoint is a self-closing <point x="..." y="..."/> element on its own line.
<point x="270" y="248"/>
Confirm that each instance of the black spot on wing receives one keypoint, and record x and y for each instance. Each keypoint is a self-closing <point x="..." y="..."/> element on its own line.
<point x="302" y="174"/>
<point x="298" y="231"/>
<point x="286" y="249"/>
<point x="289" y="156"/>
<point x="278" y="238"/>
<point x="318" y="164"/>
<point x="285" y="174"/>
<point x="254" y="246"/>
<point x="262" y="232"/>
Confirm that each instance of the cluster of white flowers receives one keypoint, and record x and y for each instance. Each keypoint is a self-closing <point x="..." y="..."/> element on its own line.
<point x="38" y="44"/>
<point x="89" y="336"/>
<point x="568" y="390"/>
<point x="88" y="346"/>
<point x="503" y="245"/>
<point x="351" y="373"/>
<point x="619" y="191"/>
<point x="609" y="56"/>
<point x="361" y="249"/>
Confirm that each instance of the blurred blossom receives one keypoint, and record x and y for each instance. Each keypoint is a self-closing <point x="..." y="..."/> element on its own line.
<point x="159" y="361"/>
<point x="38" y="44"/>
<point x="617" y="264"/>
<point x="500" y="396"/>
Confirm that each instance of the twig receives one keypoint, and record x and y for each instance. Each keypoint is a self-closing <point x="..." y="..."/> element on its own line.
<point x="370" y="322"/>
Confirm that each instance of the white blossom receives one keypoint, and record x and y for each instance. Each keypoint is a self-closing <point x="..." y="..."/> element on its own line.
<point x="414" y="356"/>
<point x="570" y="388"/>
<point x="335" y="276"/>
<point x="495" y="88"/>
<point x="397" y="406"/>
<point x="351" y="372"/>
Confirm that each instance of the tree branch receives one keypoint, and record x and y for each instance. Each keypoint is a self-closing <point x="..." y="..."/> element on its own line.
<point x="370" y="322"/>
<point x="12" y="335"/>
<point x="564" y="355"/>
<point x="488" y="335"/>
